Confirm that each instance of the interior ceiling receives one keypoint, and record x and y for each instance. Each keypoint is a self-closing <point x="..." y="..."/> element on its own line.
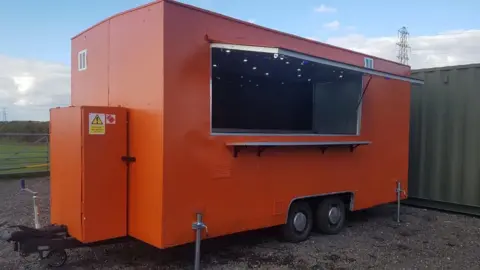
<point x="280" y="68"/>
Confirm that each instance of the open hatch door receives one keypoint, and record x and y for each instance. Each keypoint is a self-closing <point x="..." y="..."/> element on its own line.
<point x="284" y="53"/>
<point x="267" y="91"/>
<point x="274" y="91"/>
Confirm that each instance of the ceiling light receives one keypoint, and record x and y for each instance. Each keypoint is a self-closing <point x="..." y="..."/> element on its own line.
<point x="228" y="51"/>
<point x="218" y="78"/>
<point x="249" y="80"/>
<point x="283" y="83"/>
<point x="299" y="70"/>
<point x="334" y="71"/>
<point x="341" y="76"/>
<point x="254" y="68"/>
<point x="299" y="75"/>
<point x="309" y="79"/>
<point x="257" y="85"/>
<point x="241" y="77"/>
<point x="214" y="65"/>
<point x="245" y="60"/>
<point x="287" y="62"/>
<point x="281" y="58"/>
<point x="266" y="74"/>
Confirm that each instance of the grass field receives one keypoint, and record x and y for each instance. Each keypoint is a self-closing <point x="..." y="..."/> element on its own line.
<point x="23" y="157"/>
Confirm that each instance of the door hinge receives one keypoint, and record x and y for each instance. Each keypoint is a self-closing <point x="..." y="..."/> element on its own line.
<point x="128" y="159"/>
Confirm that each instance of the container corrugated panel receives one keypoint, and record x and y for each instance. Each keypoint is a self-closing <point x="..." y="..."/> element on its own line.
<point x="445" y="136"/>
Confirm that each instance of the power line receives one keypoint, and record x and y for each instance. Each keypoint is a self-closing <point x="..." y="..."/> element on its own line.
<point x="403" y="46"/>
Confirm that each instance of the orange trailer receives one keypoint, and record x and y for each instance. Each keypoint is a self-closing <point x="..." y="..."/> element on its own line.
<point x="241" y="126"/>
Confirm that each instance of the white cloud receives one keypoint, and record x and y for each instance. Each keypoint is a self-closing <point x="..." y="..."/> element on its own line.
<point x="335" y="25"/>
<point x="20" y="102"/>
<point x="29" y="88"/>
<point x="444" y="49"/>
<point x="325" y="9"/>
<point x="23" y="83"/>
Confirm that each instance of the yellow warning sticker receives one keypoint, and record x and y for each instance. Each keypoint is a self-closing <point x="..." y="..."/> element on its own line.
<point x="96" y="123"/>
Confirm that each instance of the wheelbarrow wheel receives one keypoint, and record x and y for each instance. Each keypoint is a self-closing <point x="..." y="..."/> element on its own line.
<point x="56" y="258"/>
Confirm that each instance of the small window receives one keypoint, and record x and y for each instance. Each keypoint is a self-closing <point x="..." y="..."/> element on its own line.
<point x="82" y="60"/>
<point x="368" y="62"/>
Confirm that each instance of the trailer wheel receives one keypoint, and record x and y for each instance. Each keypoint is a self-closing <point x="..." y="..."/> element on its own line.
<point x="56" y="258"/>
<point x="330" y="215"/>
<point x="299" y="223"/>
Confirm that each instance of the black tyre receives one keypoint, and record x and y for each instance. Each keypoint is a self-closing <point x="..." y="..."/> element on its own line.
<point x="56" y="258"/>
<point x="330" y="215"/>
<point x="299" y="223"/>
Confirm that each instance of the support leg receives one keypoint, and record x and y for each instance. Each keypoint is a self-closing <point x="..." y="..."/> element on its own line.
<point x="399" y="188"/>
<point x="399" y="191"/>
<point x="23" y="187"/>
<point x="198" y="226"/>
<point x="35" y="212"/>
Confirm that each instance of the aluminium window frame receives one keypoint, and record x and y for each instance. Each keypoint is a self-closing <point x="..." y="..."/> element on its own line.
<point x="82" y="60"/>
<point x="299" y="55"/>
<point x="367" y="61"/>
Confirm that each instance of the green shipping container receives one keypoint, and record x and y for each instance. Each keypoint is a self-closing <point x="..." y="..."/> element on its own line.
<point x="445" y="139"/>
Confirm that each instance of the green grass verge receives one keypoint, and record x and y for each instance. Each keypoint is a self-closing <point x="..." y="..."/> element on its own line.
<point x="18" y="158"/>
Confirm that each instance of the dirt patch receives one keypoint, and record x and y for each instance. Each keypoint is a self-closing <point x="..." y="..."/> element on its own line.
<point x="371" y="240"/>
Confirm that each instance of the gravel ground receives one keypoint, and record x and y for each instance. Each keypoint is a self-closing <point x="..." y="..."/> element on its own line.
<point x="371" y="240"/>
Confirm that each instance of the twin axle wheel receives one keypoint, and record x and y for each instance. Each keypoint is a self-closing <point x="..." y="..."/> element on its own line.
<point x="329" y="218"/>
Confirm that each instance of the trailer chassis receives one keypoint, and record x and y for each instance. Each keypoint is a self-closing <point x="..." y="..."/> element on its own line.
<point x="49" y="242"/>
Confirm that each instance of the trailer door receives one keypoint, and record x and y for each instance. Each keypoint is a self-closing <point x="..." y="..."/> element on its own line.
<point x="104" y="179"/>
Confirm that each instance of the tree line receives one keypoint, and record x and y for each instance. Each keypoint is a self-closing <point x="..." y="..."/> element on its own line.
<point x="18" y="130"/>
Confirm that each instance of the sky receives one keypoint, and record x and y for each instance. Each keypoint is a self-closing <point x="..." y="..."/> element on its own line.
<point x="35" y="36"/>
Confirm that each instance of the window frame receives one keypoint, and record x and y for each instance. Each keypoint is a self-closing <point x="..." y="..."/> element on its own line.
<point x="299" y="55"/>
<point x="368" y="60"/>
<point x="82" y="55"/>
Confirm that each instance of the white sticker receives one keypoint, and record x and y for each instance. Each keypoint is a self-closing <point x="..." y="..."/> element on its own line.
<point x="111" y="119"/>
<point x="96" y="123"/>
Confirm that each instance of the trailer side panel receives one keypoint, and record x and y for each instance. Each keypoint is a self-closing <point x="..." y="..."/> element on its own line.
<point x="125" y="68"/>
<point x="250" y="192"/>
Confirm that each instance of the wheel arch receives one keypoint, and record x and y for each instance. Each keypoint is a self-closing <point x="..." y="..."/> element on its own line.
<point x="349" y="198"/>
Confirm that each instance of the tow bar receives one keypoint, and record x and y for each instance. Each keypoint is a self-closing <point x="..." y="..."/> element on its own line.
<point x="49" y="242"/>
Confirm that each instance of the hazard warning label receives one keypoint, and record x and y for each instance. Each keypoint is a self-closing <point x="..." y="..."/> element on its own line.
<point x="96" y="123"/>
<point x="111" y="119"/>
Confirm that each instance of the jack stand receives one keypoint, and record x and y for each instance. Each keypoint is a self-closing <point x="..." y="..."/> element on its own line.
<point x="198" y="226"/>
<point x="35" y="206"/>
<point x="399" y="191"/>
